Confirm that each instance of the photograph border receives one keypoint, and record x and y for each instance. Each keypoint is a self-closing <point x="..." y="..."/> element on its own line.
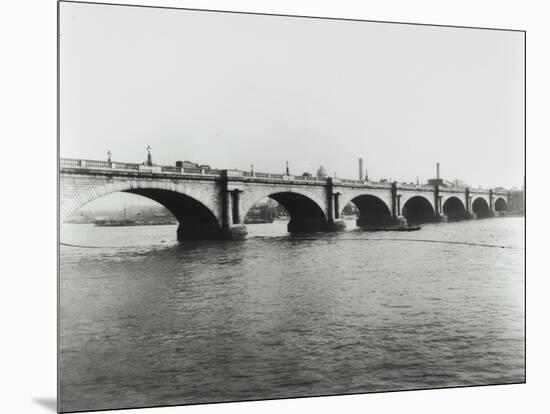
<point x="58" y="199"/>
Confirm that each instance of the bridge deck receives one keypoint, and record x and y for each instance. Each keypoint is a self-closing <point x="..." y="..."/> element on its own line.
<point x="78" y="166"/>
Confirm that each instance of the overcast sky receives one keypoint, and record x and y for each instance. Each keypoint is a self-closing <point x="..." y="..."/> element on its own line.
<point x="230" y="90"/>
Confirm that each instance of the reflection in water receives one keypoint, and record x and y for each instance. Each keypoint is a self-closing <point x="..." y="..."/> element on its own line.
<point x="156" y="322"/>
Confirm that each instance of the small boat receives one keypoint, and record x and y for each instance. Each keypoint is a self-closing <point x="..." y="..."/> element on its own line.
<point x="396" y="228"/>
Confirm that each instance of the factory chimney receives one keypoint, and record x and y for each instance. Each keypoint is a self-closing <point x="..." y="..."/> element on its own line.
<point x="360" y="169"/>
<point x="437" y="166"/>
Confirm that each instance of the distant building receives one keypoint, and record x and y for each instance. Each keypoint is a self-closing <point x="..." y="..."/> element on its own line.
<point x="516" y="201"/>
<point x="321" y="172"/>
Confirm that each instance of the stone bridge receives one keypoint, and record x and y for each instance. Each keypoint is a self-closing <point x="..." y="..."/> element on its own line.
<point x="212" y="204"/>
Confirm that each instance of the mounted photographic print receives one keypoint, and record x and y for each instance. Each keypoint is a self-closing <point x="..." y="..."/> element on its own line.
<point x="259" y="206"/>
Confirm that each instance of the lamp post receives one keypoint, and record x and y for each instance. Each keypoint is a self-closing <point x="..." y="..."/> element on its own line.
<point x="109" y="156"/>
<point x="287" y="171"/>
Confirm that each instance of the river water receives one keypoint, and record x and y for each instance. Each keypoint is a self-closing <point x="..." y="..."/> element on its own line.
<point x="146" y="321"/>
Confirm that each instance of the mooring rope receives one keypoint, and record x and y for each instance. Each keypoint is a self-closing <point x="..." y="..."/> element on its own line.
<point x="103" y="247"/>
<point x="439" y="241"/>
<point x="93" y="247"/>
<point x="314" y="239"/>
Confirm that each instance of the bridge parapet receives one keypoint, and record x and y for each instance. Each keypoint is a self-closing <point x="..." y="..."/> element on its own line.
<point x="348" y="181"/>
<point x="456" y="189"/>
<point x="283" y="177"/>
<point x="503" y="192"/>
<point x="478" y="191"/>
<point x="263" y="175"/>
<point x="421" y="187"/>
<point x="362" y="184"/>
<point x="378" y="184"/>
<point x="83" y="164"/>
<point x="308" y="178"/>
<point x="69" y="163"/>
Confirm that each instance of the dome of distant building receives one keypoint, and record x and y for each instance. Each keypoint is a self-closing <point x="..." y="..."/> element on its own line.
<point x="321" y="172"/>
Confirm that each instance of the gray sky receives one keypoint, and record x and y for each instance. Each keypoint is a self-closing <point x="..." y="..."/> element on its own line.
<point x="232" y="90"/>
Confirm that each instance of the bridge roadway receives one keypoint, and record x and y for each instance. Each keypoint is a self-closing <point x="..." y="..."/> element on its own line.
<point x="212" y="204"/>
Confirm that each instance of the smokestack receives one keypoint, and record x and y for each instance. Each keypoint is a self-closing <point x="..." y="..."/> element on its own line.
<point x="360" y="169"/>
<point x="437" y="165"/>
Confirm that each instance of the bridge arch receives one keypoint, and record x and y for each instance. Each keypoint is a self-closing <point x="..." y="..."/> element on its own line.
<point x="372" y="210"/>
<point x="501" y="204"/>
<point x="418" y="209"/>
<point x="306" y="213"/>
<point x="454" y="209"/>
<point x="197" y="218"/>
<point x="481" y="208"/>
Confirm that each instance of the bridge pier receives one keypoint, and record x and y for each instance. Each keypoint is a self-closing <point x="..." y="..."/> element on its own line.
<point x="373" y="222"/>
<point x="456" y="216"/>
<point x="235" y="232"/>
<point x="337" y="225"/>
<point x="199" y="231"/>
<point x="377" y="221"/>
<point x="335" y="222"/>
<point x="232" y="216"/>
<point x="306" y="224"/>
<point x="210" y="231"/>
<point x="441" y="218"/>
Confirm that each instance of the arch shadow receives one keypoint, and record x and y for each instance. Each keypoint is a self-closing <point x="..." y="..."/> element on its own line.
<point x="501" y="204"/>
<point x="304" y="213"/>
<point x="418" y="210"/>
<point x="196" y="221"/>
<point x="481" y="208"/>
<point x="373" y="211"/>
<point x="454" y="209"/>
